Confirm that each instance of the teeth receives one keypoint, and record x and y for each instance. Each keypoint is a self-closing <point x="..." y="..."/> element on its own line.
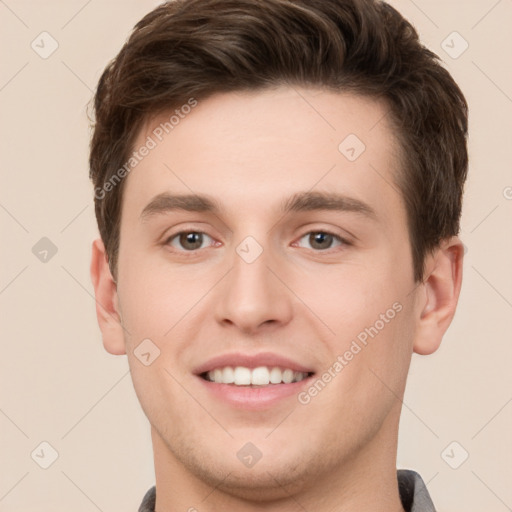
<point x="260" y="376"/>
<point x="242" y="376"/>
<point x="228" y="375"/>
<point x="288" y="376"/>
<point x="276" y="376"/>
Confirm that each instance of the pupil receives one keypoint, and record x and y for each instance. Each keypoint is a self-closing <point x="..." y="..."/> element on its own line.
<point x="319" y="238"/>
<point x="191" y="240"/>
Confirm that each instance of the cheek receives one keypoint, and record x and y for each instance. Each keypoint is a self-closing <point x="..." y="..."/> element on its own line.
<point x="372" y="318"/>
<point x="352" y="299"/>
<point x="380" y="352"/>
<point x="154" y="300"/>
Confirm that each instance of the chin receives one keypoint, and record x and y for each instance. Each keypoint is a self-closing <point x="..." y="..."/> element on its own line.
<point x="275" y="475"/>
<point x="265" y="482"/>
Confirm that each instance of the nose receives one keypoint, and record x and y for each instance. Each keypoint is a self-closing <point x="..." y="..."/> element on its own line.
<point x="254" y="296"/>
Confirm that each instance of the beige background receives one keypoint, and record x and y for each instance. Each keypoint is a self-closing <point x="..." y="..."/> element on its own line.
<point x="58" y="384"/>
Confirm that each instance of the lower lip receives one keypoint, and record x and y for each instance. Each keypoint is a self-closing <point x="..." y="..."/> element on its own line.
<point x="254" y="397"/>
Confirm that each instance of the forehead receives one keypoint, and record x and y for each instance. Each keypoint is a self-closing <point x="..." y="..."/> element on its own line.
<point x="251" y="149"/>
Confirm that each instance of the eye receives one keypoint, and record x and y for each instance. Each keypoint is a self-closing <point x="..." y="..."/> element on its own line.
<point x="188" y="240"/>
<point x="322" y="240"/>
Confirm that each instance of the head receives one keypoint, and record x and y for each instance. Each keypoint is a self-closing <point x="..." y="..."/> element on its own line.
<point x="277" y="119"/>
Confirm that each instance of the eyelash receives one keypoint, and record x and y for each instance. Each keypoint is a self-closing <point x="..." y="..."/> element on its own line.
<point x="342" y="241"/>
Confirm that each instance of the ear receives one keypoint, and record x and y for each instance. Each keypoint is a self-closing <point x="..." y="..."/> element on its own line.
<point x="107" y="302"/>
<point x="441" y="290"/>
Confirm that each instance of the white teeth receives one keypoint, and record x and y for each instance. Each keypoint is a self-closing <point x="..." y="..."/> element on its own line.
<point x="287" y="376"/>
<point x="276" y="375"/>
<point x="260" y="376"/>
<point x="242" y="376"/>
<point x="228" y="375"/>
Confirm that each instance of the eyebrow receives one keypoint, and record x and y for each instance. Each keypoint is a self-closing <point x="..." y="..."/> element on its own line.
<point x="299" y="202"/>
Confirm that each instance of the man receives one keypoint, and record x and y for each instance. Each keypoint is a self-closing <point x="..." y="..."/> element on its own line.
<point x="278" y="187"/>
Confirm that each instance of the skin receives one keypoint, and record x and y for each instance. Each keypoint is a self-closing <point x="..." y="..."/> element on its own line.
<point x="251" y="151"/>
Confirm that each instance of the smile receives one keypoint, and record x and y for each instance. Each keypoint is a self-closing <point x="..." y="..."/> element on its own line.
<point x="260" y="376"/>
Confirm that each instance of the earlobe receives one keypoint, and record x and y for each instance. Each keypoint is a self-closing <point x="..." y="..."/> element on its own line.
<point x="441" y="289"/>
<point x="107" y="301"/>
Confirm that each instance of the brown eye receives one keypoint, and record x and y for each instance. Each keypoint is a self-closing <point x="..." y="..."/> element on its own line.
<point x="321" y="240"/>
<point x="188" y="240"/>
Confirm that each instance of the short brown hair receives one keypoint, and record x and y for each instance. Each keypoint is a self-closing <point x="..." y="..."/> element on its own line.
<point x="195" y="48"/>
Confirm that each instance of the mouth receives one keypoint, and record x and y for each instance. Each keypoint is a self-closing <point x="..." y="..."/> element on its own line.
<point x="253" y="381"/>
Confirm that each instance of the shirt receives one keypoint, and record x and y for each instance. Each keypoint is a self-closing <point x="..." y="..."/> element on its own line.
<point x="412" y="489"/>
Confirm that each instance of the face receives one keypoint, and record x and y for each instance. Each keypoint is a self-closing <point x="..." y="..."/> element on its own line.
<point x="289" y="260"/>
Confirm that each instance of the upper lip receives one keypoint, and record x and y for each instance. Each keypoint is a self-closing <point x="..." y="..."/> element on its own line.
<point x="235" y="359"/>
